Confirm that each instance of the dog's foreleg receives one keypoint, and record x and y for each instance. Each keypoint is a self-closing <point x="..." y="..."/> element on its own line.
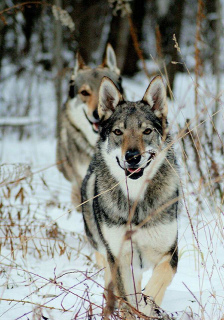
<point x="100" y="260"/>
<point x="162" y="276"/>
<point x="76" y="197"/>
<point x="131" y="276"/>
<point x="76" y="189"/>
<point x="126" y="280"/>
<point x="102" y="263"/>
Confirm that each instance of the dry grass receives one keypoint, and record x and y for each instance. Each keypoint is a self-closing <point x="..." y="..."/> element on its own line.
<point x="26" y="228"/>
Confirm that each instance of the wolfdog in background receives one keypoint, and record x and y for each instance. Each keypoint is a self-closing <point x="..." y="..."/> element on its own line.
<point x="135" y="155"/>
<point x="79" y="119"/>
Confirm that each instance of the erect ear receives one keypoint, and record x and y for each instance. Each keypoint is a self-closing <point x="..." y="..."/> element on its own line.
<point x="155" y="96"/>
<point x="109" y="97"/>
<point x="110" y="60"/>
<point x="79" y="63"/>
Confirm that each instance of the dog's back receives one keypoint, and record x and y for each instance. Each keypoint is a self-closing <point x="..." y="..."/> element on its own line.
<point x="134" y="167"/>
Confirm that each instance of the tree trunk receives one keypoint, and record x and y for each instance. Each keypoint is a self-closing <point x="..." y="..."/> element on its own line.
<point x="217" y="51"/>
<point x="90" y="27"/>
<point x="169" y="24"/>
<point x="31" y="14"/>
<point x="58" y="65"/>
<point x="118" y="38"/>
<point x="210" y="32"/>
<point x="131" y="58"/>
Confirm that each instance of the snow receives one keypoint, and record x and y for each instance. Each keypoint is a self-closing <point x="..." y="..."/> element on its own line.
<point x="44" y="276"/>
<point x="18" y="121"/>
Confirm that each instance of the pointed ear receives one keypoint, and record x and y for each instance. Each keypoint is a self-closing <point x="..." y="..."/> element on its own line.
<point x="79" y="63"/>
<point x="110" y="60"/>
<point x="155" y="96"/>
<point x="109" y="97"/>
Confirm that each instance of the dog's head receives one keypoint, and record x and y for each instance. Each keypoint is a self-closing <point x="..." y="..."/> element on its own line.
<point x="133" y="134"/>
<point x="85" y="83"/>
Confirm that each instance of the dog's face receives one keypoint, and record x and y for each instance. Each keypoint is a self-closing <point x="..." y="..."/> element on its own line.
<point x="85" y="83"/>
<point x="132" y="132"/>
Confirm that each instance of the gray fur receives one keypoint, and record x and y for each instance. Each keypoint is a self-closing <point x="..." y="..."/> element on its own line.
<point x="76" y="140"/>
<point x="110" y="210"/>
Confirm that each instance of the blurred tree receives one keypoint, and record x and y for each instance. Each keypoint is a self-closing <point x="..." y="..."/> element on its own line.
<point x="96" y="24"/>
<point x="119" y="37"/>
<point x="90" y="26"/>
<point x="109" y="27"/>
<point x="169" y="21"/>
<point x="3" y="31"/>
<point x="31" y="14"/>
<point x="131" y="58"/>
<point x="58" y="64"/>
<point x="212" y="32"/>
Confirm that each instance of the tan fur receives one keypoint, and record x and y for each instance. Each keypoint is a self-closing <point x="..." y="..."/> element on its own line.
<point x="91" y="100"/>
<point x="87" y="88"/>
<point x="76" y="197"/>
<point x="162" y="276"/>
<point x="102" y="263"/>
<point x="100" y="260"/>
<point x="130" y="143"/>
<point x="92" y="103"/>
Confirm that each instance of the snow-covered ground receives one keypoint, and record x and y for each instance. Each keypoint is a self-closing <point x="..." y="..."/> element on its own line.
<point x="48" y="269"/>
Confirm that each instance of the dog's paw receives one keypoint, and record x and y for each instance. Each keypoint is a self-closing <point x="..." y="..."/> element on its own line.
<point x="150" y="309"/>
<point x="146" y="306"/>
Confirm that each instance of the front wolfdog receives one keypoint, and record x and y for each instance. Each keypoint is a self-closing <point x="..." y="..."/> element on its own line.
<point x="79" y="120"/>
<point x="134" y="154"/>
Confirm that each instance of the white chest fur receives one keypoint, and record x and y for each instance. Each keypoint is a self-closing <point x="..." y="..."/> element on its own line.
<point x="151" y="243"/>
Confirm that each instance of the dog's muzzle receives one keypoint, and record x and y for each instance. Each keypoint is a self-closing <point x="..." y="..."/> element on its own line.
<point x="131" y="167"/>
<point x="95" y="124"/>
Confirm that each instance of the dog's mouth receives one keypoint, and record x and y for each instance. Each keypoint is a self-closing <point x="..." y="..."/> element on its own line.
<point x="136" y="172"/>
<point x="95" y="125"/>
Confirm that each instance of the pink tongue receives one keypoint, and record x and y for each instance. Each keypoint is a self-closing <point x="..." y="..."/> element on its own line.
<point x="134" y="170"/>
<point x="96" y="126"/>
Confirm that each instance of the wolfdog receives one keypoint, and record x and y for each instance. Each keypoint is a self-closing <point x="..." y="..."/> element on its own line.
<point x="79" y="119"/>
<point x="133" y="188"/>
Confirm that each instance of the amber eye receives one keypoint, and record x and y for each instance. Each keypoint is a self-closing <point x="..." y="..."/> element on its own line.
<point x="84" y="93"/>
<point x="118" y="132"/>
<point x="147" y="131"/>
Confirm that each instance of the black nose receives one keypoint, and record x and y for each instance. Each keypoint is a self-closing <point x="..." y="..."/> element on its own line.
<point x="132" y="157"/>
<point x="95" y="114"/>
